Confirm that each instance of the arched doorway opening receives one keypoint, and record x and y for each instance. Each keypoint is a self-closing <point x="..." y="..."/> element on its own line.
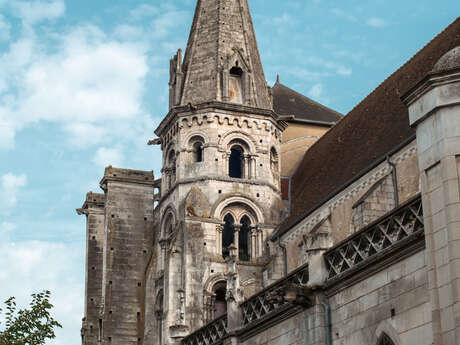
<point x="220" y="302"/>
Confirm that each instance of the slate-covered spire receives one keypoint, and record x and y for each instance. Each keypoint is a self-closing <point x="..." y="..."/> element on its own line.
<point x="222" y="61"/>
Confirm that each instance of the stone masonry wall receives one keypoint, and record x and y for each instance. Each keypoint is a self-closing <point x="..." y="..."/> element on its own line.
<point x="129" y="237"/>
<point x="395" y="301"/>
<point x="94" y="211"/>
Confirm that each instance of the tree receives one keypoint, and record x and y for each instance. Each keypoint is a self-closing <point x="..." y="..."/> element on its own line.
<point x="31" y="326"/>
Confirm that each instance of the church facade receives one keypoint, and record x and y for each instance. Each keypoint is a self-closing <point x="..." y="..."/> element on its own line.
<point x="277" y="220"/>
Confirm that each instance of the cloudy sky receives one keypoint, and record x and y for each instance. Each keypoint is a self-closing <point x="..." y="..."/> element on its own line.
<point x="83" y="83"/>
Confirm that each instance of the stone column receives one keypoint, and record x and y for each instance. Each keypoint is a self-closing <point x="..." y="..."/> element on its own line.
<point x="236" y="240"/>
<point x="234" y="293"/>
<point x="434" y="110"/>
<point x="253" y="243"/>
<point x="219" y="230"/>
<point x="260" y="237"/>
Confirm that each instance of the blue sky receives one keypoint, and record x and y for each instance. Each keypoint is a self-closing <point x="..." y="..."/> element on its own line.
<point x="83" y="83"/>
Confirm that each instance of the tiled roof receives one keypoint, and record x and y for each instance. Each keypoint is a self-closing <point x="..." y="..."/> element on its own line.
<point x="289" y="102"/>
<point x="362" y="138"/>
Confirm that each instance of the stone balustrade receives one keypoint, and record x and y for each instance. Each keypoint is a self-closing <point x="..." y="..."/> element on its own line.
<point x="394" y="229"/>
<point x="212" y="333"/>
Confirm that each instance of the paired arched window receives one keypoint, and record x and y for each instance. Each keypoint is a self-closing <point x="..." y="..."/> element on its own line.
<point x="236" y="162"/>
<point x="228" y="237"/>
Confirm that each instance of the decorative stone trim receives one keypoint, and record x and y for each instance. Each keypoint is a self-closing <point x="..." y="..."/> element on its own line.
<point x="402" y="224"/>
<point x="368" y="180"/>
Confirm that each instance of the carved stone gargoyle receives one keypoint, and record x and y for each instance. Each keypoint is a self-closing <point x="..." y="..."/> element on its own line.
<point x="292" y="294"/>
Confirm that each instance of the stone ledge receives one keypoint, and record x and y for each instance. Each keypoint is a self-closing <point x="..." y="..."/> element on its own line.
<point x="128" y="176"/>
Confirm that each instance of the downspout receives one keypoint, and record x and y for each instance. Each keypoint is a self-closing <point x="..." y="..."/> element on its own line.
<point x="283" y="248"/>
<point x="395" y="181"/>
<point x="327" y="321"/>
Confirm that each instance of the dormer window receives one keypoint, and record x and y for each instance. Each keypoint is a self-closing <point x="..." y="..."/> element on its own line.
<point x="235" y="87"/>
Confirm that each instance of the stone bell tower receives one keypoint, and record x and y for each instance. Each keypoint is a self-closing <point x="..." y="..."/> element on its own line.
<point x="220" y="184"/>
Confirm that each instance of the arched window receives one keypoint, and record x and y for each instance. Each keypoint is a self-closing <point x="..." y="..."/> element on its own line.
<point x="220" y="303"/>
<point x="243" y="239"/>
<point x="235" y="89"/>
<point x="385" y="340"/>
<point x="235" y="163"/>
<point x="198" y="151"/>
<point x="228" y="234"/>
<point x="274" y="163"/>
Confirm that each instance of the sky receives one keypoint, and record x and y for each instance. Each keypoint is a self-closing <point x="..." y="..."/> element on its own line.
<point x="84" y="83"/>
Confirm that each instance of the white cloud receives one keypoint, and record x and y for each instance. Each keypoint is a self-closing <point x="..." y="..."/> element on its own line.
<point x="5" y="28"/>
<point x="315" y="91"/>
<point x="343" y="14"/>
<point x="88" y="85"/>
<point x="6" y="229"/>
<point x="33" y="12"/>
<point x="9" y="189"/>
<point x="144" y="10"/>
<point x="105" y="157"/>
<point x="376" y="22"/>
<point x="338" y="68"/>
<point x="33" y="266"/>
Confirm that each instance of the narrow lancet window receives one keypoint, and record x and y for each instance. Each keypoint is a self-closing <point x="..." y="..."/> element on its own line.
<point x="235" y="89"/>
<point x="243" y="239"/>
<point x="198" y="151"/>
<point x="228" y="234"/>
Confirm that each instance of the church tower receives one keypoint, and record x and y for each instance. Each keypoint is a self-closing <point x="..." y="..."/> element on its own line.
<point x="220" y="184"/>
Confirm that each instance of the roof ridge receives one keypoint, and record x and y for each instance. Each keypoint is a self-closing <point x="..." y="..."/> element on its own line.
<point x="405" y="64"/>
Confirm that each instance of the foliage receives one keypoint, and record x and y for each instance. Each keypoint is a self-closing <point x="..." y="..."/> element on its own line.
<point x="31" y="326"/>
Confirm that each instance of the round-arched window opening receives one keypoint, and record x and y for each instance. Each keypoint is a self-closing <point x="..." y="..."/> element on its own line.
<point x="235" y="164"/>
<point x="228" y="234"/>
<point x="220" y="304"/>
<point x="243" y="239"/>
<point x="236" y="71"/>
<point x="198" y="151"/>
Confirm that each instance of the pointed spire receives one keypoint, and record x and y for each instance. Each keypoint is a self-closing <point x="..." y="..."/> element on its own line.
<point x="277" y="79"/>
<point x="222" y="61"/>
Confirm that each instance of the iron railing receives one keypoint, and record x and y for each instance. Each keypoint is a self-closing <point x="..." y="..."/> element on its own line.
<point x="399" y="225"/>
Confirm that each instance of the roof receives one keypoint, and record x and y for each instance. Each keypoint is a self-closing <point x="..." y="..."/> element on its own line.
<point x="289" y="102"/>
<point x="373" y="129"/>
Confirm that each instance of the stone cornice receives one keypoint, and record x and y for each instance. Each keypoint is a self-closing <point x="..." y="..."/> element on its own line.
<point x="212" y="106"/>
<point x="139" y="177"/>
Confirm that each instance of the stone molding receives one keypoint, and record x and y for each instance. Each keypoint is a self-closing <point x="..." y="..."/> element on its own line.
<point x="198" y="110"/>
